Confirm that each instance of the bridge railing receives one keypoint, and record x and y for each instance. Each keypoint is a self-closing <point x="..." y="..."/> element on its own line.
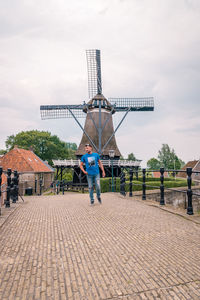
<point x="189" y="192"/>
<point x="9" y="190"/>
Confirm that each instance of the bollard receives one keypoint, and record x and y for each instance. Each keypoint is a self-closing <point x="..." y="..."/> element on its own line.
<point x="162" y="199"/>
<point x="15" y="187"/>
<point x="131" y="183"/>
<point x="12" y="190"/>
<point x="35" y="186"/>
<point x="144" y="184"/>
<point x="57" y="187"/>
<point x="115" y="184"/>
<point x="40" y="186"/>
<point x="17" y="184"/>
<point x="7" y="202"/>
<point x="189" y="191"/>
<point x="123" y="184"/>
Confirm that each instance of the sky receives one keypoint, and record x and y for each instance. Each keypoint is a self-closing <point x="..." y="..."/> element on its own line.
<point x="149" y="48"/>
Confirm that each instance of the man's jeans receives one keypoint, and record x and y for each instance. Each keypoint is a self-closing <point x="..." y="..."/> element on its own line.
<point x="94" y="179"/>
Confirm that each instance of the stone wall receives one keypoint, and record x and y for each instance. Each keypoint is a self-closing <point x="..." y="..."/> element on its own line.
<point x="176" y="198"/>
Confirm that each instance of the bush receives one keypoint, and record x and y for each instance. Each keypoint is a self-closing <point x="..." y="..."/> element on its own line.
<point x="151" y="184"/>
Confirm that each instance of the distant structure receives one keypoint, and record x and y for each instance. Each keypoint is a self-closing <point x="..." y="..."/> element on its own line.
<point x="30" y="167"/>
<point x="98" y="130"/>
<point x="195" y="165"/>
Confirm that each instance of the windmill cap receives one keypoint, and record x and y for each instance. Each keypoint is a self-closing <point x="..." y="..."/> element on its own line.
<point x="93" y="103"/>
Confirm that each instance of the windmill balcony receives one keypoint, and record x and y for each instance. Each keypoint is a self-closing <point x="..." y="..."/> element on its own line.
<point x="107" y="163"/>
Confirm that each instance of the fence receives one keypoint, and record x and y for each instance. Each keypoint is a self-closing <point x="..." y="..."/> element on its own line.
<point x="10" y="189"/>
<point x="188" y="192"/>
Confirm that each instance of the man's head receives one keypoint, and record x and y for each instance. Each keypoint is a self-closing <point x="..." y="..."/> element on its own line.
<point x="88" y="148"/>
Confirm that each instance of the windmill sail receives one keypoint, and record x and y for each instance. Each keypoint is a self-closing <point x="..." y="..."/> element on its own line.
<point x="94" y="72"/>
<point x="134" y="104"/>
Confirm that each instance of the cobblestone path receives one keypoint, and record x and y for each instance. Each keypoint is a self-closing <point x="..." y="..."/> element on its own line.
<point x="59" y="247"/>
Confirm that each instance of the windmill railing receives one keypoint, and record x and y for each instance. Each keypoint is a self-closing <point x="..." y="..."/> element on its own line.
<point x="107" y="162"/>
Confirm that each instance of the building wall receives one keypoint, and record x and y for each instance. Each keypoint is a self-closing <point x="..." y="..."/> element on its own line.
<point x="196" y="176"/>
<point x="32" y="180"/>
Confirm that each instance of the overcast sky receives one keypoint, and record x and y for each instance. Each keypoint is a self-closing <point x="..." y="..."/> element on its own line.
<point x="148" y="48"/>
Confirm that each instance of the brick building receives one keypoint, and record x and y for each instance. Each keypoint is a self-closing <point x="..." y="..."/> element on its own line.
<point x="30" y="167"/>
<point x="195" y="165"/>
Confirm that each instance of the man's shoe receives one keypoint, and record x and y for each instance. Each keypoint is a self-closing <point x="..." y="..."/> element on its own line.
<point x="99" y="199"/>
<point x="92" y="203"/>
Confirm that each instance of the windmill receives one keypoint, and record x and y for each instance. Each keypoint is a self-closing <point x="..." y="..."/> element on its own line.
<point x="98" y="129"/>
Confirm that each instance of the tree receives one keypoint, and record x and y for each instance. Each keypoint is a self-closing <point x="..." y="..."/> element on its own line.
<point x="72" y="146"/>
<point x="45" y="145"/>
<point x="168" y="159"/>
<point x="153" y="164"/>
<point x="2" y="151"/>
<point x="131" y="156"/>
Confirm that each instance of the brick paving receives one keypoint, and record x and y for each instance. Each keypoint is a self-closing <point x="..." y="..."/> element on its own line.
<point x="59" y="247"/>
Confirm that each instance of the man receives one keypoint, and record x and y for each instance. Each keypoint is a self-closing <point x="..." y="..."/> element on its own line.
<point x="92" y="164"/>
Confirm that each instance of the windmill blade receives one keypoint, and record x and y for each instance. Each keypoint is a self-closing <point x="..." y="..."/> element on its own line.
<point x="94" y="72"/>
<point x="61" y="111"/>
<point x="134" y="104"/>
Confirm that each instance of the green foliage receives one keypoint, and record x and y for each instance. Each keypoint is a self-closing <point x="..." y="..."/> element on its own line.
<point x="71" y="146"/>
<point x="151" y="184"/>
<point x="45" y="145"/>
<point x="153" y="164"/>
<point x="2" y="151"/>
<point x="67" y="175"/>
<point x="166" y="158"/>
<point x="131" y="156"/>
<point x="105" y="184"/>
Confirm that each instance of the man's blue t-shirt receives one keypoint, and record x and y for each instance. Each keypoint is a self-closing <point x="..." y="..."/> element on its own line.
<point x="91" y="163"/>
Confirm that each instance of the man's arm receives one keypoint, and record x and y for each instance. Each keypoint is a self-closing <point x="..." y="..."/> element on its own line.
<point x="102" y="168"/>
<point x="82" y="169"/>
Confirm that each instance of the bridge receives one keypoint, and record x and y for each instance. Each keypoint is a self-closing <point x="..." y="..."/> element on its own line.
<point x="59" y="247"/>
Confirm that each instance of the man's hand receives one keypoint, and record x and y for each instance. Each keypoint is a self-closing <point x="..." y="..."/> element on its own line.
<point x="103" y="174"/>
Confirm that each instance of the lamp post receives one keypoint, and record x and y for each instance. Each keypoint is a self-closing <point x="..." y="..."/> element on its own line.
<point x="112" y="155"/>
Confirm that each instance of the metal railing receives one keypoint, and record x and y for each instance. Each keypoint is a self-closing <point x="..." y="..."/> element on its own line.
<point x="11" y="187"/>
<point x="189" y="192"/>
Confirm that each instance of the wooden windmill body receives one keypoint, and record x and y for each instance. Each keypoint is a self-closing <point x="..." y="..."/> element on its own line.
<point x="93" y="119"/>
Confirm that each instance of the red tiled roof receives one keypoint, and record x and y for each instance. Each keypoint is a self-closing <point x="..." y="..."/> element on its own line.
<point x="190" y="164"/>
<point x="24" y="161"/>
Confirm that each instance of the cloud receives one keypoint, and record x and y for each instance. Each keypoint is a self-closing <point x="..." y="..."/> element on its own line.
<point x="148" y="48"/>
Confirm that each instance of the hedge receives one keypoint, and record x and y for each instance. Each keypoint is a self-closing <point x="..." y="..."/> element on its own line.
<point x="137" y="185"/>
